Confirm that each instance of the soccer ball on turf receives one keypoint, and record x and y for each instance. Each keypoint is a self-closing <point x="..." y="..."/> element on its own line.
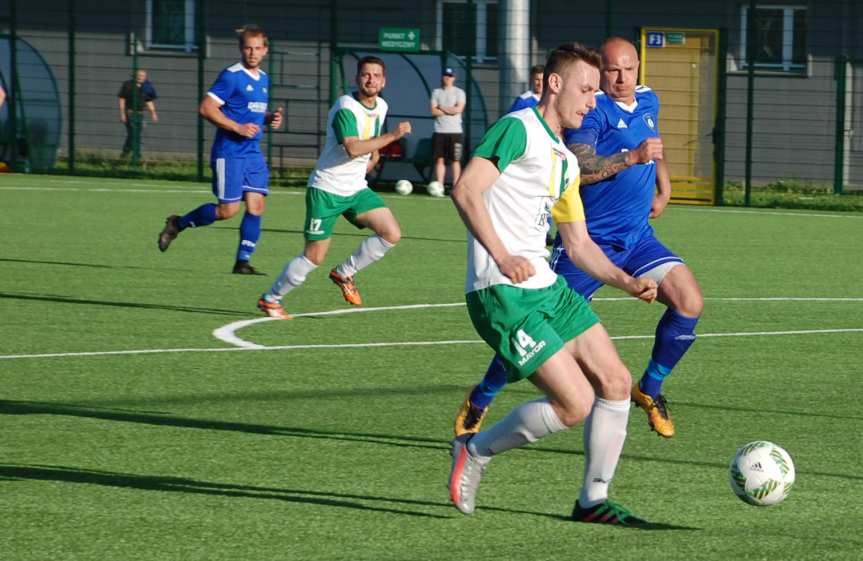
<point x="404" y="187"/>
<point x="435" y="189"/>
<point x="761" y="473"/>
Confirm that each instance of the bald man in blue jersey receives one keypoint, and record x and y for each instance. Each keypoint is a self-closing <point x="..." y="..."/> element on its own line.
<point x="624" y="181"/>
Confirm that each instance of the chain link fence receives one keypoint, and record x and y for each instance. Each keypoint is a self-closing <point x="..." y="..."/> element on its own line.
<point x="768" y="94"/>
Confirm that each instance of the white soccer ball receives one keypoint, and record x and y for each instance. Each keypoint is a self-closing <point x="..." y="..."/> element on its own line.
<point x="761" y="473"/>
<point x="404" y="187"/>
<point x="435" y="189"/>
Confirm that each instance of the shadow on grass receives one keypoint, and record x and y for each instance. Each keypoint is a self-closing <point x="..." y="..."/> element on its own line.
<point x="402" y="441"/>
<point x="64" y="263"/>
<point x="360" y="234"/>
<point x="68" y="300"/>
<point x="65" y="474"/>
<point x="647" y="526"/>
<point x="34" y="408"/>
<point x="83" y="265"/>
<point x="280" y="396"/>
<point x="761" y="410"/>
<point x="184" y="485"/>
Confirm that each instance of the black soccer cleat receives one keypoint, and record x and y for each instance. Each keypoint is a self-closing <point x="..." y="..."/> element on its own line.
<point x="169" y="232"/>
<point x="245" y="268"/>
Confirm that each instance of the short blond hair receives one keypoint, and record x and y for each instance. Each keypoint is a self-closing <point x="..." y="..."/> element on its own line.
<point x="251" y="30"/>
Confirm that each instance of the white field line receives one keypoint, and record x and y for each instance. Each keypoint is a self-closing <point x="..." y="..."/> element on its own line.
<point x="397" y="344"/>
<point x="128" y="190"/>
<point x="227" y="333"/>
<point x="296" y="193"/>
<point x="687" y="208"/>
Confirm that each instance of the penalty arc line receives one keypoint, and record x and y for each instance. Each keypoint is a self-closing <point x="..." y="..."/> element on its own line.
<point x="227" y="333"/>
<point x="397" y="344"/>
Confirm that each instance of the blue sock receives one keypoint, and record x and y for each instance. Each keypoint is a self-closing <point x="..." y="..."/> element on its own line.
<point x="675" y="333"/>
<point x="204" y="215"/>
<point x="250" y="232"/>
<point x="492" y="383"/>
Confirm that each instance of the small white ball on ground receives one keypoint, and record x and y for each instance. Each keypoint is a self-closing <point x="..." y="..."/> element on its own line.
<point x="435" y="189"/>
<point x="404" y="187"/>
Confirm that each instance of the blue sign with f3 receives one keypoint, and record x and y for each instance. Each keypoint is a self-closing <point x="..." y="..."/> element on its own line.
<point x="655" y="39"/>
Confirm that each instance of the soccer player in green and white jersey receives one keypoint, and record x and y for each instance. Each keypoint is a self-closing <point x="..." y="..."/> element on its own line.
<point x="544" y="331"/>
<point x="338" y="187"/>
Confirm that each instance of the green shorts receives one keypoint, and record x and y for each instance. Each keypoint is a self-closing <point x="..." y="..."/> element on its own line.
<point x="526" y="326"/>
<point x="323" y="208"/>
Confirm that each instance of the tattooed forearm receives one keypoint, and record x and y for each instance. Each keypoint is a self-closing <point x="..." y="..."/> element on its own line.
<point x="596" y="168"/>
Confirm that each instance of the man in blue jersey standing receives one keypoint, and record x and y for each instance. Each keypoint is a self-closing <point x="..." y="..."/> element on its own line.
<point x="624" y="182"/>
<point x="237" y="104"/>
<point x="531" y="97"/>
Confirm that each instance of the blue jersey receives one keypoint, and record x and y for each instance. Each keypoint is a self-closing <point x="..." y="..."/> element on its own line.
<point x="617" y="208"/>
<point x="525" y="100"/>
<point x="244" y="100"/>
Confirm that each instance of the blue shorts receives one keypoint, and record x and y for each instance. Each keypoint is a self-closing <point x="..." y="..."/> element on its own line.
<point x="234" y="176"/>
<point x="647" y="255"/>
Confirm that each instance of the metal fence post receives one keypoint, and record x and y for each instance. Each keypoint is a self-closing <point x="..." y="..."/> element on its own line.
<point x="721" y="116"/>
<point x="334" y="55"/>
<point x="71" y="98"/>
<point x="841" y="66"/>
<point x="136" y="117"/>
<point x="201" y="39"/>
<point x="12" y="94"/>
<point x="608" y="18"/>
<point x="751" y="37"/>
<point x="271" y="69"/>
<point x="468" y="82"/>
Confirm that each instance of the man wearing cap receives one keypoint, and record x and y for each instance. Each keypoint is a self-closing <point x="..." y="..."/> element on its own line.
<point x="447" y="105"/>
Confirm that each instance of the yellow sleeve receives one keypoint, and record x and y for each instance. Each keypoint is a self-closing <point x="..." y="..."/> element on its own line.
<point x="568" y="207"/>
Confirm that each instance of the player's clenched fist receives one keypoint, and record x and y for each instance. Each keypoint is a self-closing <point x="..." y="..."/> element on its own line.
<point x="403" y="129"/>
<point x="517" y="269"/>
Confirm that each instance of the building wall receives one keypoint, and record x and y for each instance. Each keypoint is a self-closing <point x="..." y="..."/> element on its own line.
<point x="299" y="65"/>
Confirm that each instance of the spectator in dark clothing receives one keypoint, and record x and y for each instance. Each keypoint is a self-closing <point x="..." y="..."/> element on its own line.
<point x="134" y="96"/>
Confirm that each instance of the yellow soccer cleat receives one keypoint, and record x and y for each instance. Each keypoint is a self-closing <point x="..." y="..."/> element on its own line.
<point x="657" y="411"/>
<point x="469" y="418"/>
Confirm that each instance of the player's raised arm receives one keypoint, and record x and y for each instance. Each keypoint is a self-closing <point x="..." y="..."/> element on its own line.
<point x="595" y="168"/>
<point x="356" y="147"/>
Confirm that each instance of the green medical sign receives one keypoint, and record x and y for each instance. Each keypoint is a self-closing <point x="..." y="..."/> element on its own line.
<point x="675" y="38"/>
<point x="399" y="39"/>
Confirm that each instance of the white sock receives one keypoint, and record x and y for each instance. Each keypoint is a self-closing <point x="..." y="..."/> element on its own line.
<point x="293" y="275"/>
<point x="372" y="249"/>
<point x="526" y="423"/>
<point x="604" y="435"/>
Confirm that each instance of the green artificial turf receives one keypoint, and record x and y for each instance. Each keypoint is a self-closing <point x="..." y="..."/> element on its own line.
<point x="128" y="431"/>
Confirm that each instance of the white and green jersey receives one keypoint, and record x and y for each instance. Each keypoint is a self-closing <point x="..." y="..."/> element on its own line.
<point x="538" y="176"/>
<point x="335" y="171"/>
